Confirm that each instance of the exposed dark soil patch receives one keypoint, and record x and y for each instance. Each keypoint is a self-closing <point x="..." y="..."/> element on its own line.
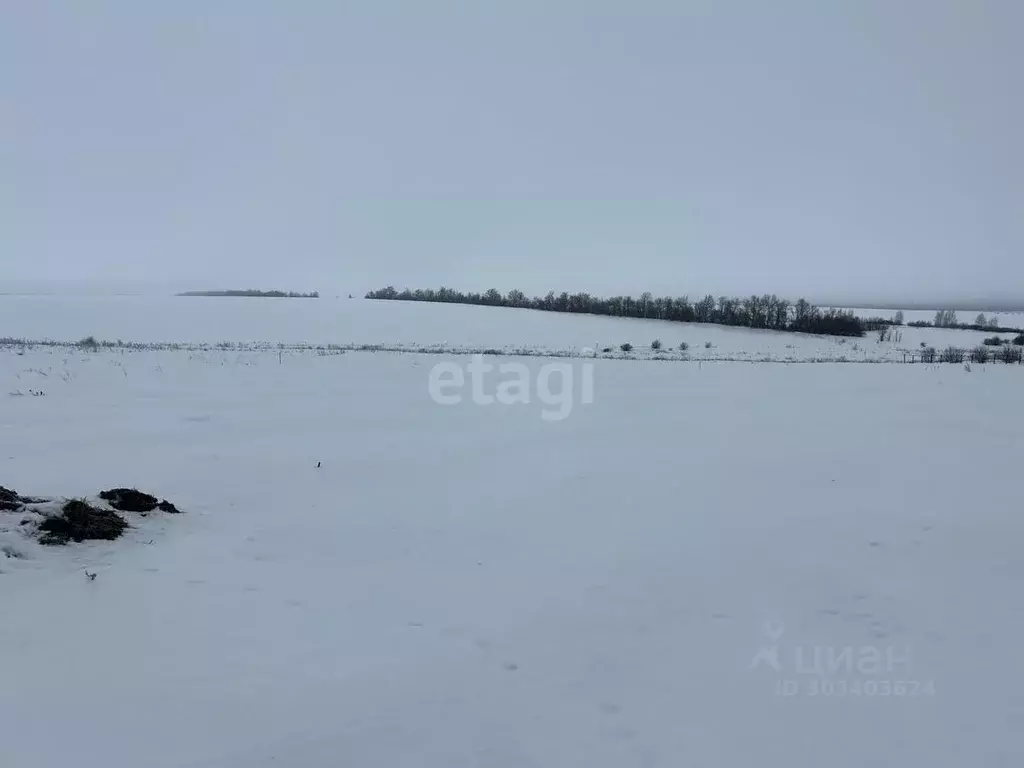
<point x="130" y="500"/>
<point x="134" y="500"/>
<point x="79" y="521"/>
<point x="10" y="501"/>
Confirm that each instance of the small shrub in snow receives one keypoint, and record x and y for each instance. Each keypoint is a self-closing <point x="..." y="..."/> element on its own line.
<point x="928" y="355"/>
<point x="656" y="344"/>
<point x="78" y="521"/>
<point x="952" y="355"/>
<point x="683" y="346"/>
<point x="979" y="354"/>
<point x="607" y="349"/>
<point x="627" y="347"/>
<point x="707" y="345"/>
<point x="89" y="342"/>
<point x="1019" y="341"/>
<point x="993" y="341"/>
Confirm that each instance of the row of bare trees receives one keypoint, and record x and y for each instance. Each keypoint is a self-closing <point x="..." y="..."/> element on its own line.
<point x="767" y="311"/>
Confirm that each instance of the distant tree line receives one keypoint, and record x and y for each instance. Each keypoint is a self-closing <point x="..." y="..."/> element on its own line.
<point x="768" y="312"/>
<point x="256" y="294"/>
<point x="946" y="318"/>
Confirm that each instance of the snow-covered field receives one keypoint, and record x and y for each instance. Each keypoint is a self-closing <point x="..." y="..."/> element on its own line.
<point x="711" y="564"/>
<point x="408" y="325"/>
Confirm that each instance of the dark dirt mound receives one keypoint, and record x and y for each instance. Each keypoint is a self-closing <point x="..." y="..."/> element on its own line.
<point x="130" y="500"/>
<point x="134" y="500"/>
<point x="10" y="501"/>
<point x="79" y="521"/>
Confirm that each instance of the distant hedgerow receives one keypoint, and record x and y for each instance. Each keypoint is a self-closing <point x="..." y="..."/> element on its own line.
<point x="767" y="312"/>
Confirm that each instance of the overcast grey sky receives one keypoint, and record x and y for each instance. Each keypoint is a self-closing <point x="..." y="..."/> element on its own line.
<point x="830" y="148"/>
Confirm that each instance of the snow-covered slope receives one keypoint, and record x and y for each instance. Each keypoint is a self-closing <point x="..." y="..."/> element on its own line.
<point x="407" y="325"/>
<point x="724" y="564"/>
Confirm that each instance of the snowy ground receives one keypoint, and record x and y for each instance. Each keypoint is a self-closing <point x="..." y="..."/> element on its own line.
<point x="475" y="586"/>
<point x="408" y="325"/>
